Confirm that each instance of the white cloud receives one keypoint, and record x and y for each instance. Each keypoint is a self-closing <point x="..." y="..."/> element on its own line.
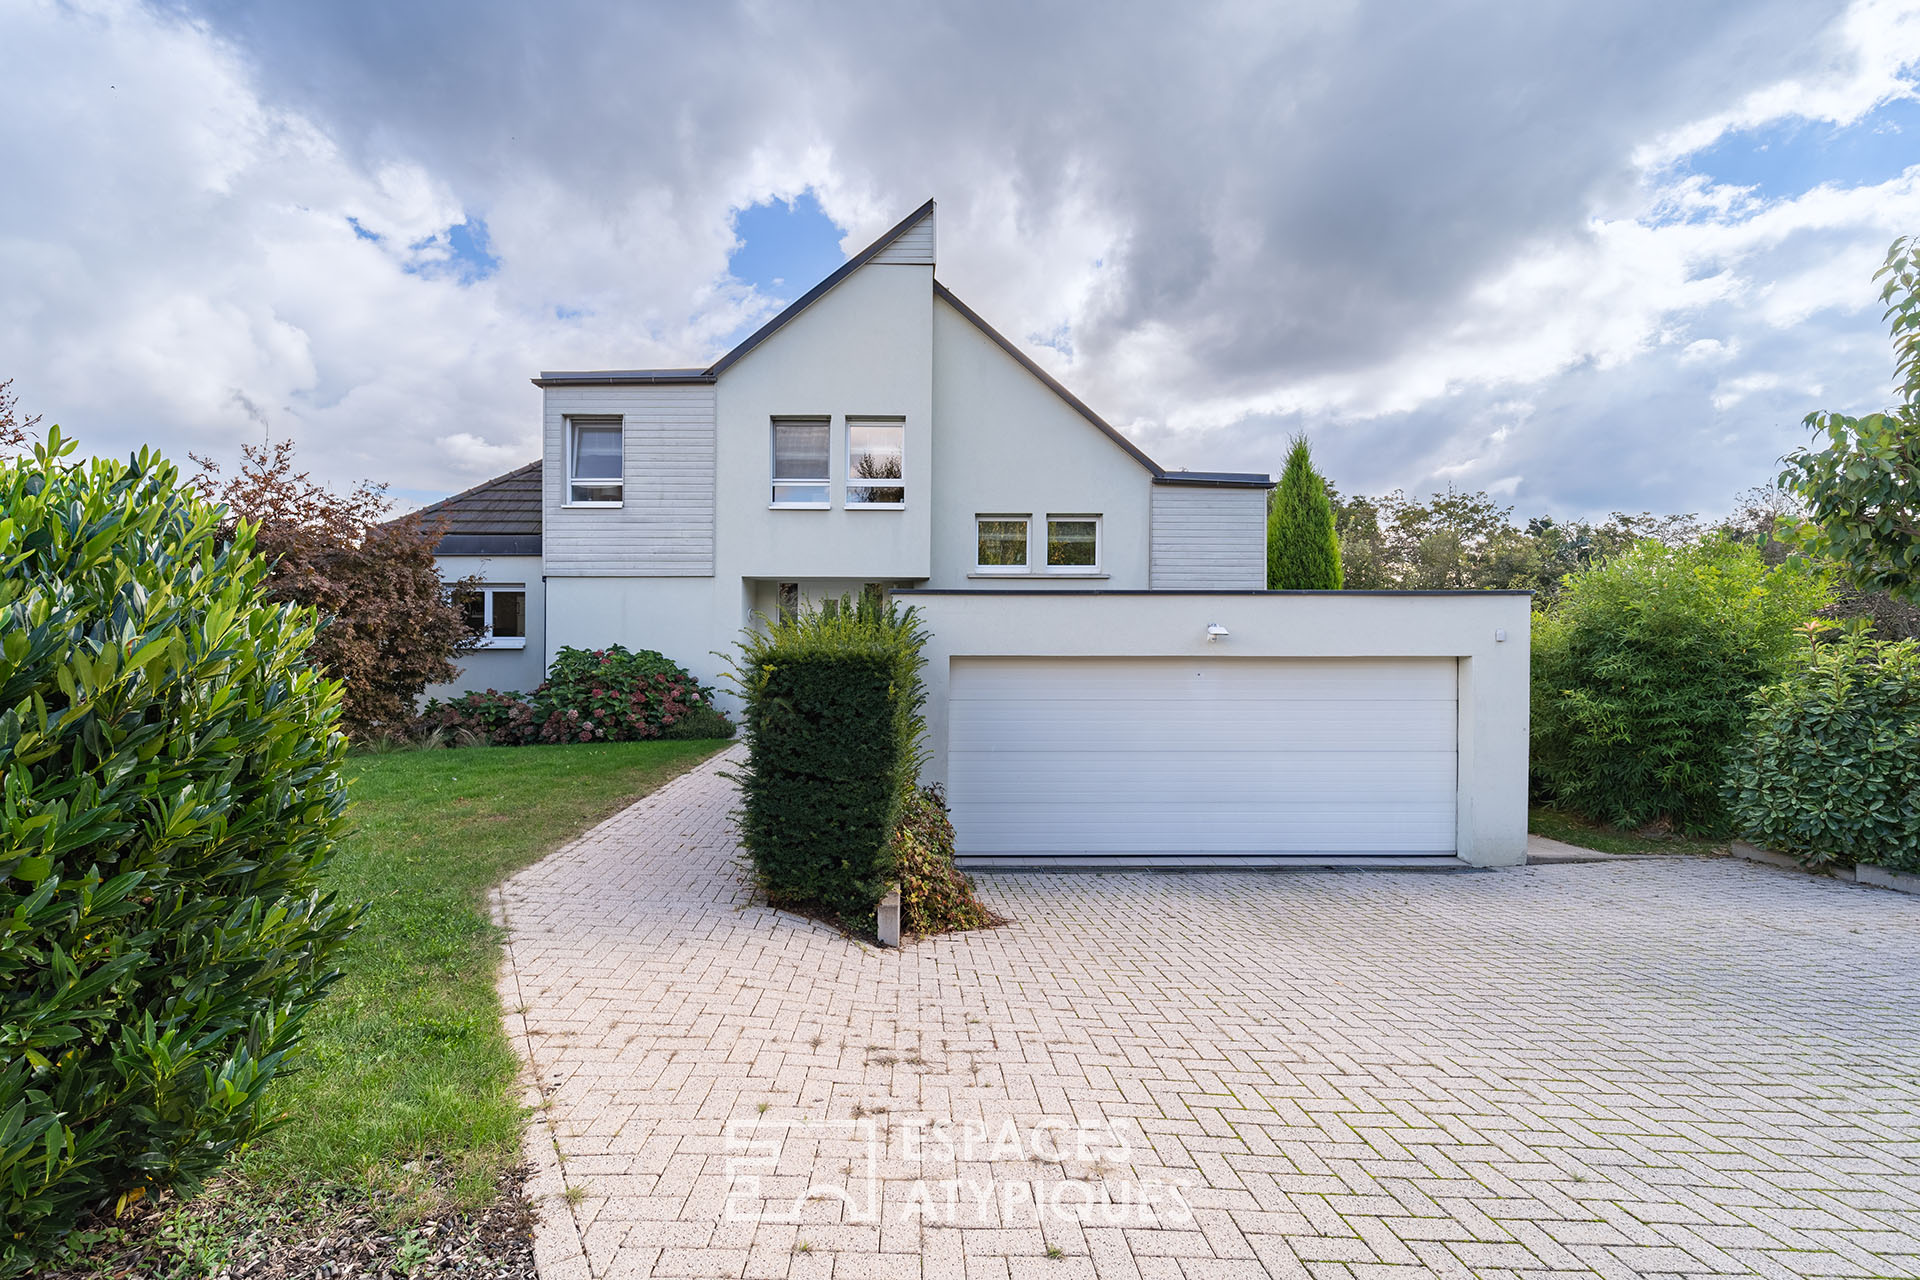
<point x="189" y="251"/>
<point x="1734" y="390"/>
<point x="1864" y="60"/>
<point x="471" y="453"/>
<point x="1449" y="244"/>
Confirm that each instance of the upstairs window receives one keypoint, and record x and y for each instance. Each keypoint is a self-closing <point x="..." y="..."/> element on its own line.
<point x="595" y="476"/>
<point x="1073" y="544"/>
<point x="497" y="613"/>
<point x="876" y="450"/>
<point x="801" y="467"/>
<point x="1002" y="542"/>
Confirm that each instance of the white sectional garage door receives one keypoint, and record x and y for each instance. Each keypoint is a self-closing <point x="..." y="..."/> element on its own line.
<point x="1178" y="762"/>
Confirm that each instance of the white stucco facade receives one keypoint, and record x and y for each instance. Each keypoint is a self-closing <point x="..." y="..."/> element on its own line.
<point x="690" y="538"/>
<point x="1485" y="633"/>
<point x="697" y="546"/>
<point x="863" y="350"/>
<point x="1007" y="444"/>
<point x="501" y="665"/>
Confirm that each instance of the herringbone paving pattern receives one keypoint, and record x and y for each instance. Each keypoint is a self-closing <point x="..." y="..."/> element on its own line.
<point x="1663" y="1068"/>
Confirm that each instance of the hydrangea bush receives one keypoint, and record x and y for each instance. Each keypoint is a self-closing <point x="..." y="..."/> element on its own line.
<point x="590" y="695"/>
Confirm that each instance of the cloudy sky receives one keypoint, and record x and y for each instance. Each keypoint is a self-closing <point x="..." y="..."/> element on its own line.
<point x="1585" y="256"/>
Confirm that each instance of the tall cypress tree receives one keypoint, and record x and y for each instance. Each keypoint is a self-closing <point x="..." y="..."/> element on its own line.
<point x="1303" y="551"/>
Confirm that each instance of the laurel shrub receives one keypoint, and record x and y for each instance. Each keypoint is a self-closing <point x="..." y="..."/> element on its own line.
<point x="170" y="791"/>
<point x="1829" y="767"/>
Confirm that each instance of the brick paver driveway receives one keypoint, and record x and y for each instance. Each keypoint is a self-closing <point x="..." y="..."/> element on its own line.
<point x="1684" y="1067"/>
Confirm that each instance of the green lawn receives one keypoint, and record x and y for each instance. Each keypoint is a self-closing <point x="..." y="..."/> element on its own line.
<point x="406" y="1055"/>
<point x="1568" y="829"/>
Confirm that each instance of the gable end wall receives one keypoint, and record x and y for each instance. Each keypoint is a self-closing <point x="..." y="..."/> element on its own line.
<point x="912" y="247"/>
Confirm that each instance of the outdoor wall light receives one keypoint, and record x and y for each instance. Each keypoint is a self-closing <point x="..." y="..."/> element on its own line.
<point x="1215" y="632"/>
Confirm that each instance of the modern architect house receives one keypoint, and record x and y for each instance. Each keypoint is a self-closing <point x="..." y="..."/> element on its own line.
<point x="1111" y="683"/>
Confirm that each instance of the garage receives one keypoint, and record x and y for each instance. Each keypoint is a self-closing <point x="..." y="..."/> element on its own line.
<point x="1203" y="761"/>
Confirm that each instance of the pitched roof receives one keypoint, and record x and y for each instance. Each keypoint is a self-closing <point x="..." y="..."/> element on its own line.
<point x="629" y="377"/>
<point x="633" y="377"/>
<point x="498" y="517"/>
<point x="1230" y="479"/>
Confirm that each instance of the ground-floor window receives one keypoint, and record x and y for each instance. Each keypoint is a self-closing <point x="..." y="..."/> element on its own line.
<point x="498" y="612"/>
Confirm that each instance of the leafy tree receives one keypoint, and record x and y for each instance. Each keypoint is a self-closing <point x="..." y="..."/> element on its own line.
<point x="1448" y="540"/>
<point x="1862" y="490"/>
<point x="391" y="626"/>
<point x="1303" y="551"/>
<point x="1642" y="672"/>
<point x="1469" y="541"/>
<point x="1364" y="563"/>
<point x="1553" y="549"/>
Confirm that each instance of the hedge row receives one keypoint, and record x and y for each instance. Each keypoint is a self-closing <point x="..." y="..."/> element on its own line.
<point x="1642" y="674"/>
<point x="834" y="726"/>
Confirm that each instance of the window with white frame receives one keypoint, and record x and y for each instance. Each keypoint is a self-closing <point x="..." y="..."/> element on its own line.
<point x="497" y="613"/>
<point x="802" y="473"/>
<point x="1001" y="543"/>
<point x="876" y="451"/>
<point x="595" y="474"/>
<point x="1073" y="544"/>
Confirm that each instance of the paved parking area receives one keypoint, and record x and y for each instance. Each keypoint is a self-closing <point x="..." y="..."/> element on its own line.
<point x="1659" y="1068"/>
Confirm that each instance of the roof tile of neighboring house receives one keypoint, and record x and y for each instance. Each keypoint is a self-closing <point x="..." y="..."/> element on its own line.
<point x="500" y="517"/>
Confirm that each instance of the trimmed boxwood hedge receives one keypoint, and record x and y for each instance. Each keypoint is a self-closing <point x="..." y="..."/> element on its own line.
<point x="171" y="791"/>
<point x="834" y="724"/>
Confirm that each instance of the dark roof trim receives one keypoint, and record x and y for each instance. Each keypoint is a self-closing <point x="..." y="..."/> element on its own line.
<point x="1218" y="479"/>
<point x="1070" y="591"/>
<point x="1079" y="406"/>
<point x="488" y="544"/>
<point x="818" y="291"/>
<point x="622" y="377"/>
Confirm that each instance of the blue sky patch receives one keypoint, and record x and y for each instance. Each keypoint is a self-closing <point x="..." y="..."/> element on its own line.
<point x="472" y="250"/>
<point x="470" y="257"/>
<point x="786" y="248"/>
<point x="1790" y="157"/>
<point x="361" y="232"/>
